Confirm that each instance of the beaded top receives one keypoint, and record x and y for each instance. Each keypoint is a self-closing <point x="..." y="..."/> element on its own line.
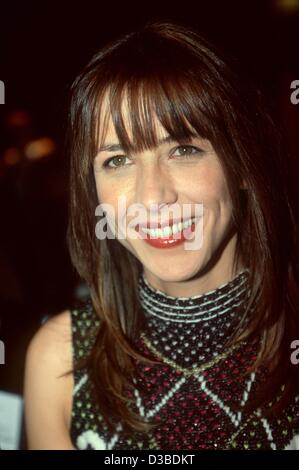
<point x="196" y="394"/>
<point x="192" y="330"/>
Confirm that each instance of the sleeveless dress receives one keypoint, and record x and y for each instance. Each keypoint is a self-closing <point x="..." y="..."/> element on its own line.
<point x="192" y="395"/>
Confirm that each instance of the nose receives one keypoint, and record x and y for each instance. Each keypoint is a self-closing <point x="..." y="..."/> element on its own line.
<point x="154" y="187"/>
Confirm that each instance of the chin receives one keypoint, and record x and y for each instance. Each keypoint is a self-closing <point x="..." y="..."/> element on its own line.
<point x="172" y="273"/>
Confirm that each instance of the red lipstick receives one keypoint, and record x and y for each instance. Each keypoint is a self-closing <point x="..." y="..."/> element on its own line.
<point x="169" y="241"/>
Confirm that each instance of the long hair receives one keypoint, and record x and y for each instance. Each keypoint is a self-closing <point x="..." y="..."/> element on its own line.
<point x="171" y="71"/>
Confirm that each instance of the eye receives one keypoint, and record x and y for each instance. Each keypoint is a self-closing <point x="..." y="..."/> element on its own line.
<point x="187" y="151"/>
<point x="115" y="162"/>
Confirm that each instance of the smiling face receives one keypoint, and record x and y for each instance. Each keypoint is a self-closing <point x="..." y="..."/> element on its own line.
<point x="173" y="173"/>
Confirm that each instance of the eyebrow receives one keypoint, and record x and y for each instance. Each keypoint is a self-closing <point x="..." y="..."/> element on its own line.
<point x="109" y="147"/>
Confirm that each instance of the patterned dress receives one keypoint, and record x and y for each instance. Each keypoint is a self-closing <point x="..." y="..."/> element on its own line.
<point x="197" y="393"/>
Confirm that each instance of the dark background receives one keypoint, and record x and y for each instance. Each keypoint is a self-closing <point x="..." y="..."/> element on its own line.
<point x="43" y="46"/>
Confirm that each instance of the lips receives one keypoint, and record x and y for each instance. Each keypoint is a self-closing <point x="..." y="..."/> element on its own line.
<point x="169" y="240"/>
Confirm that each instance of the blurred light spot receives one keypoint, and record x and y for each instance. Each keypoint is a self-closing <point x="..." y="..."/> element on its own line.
<point x="40" y="148"/>
<point x="288" y="6"/>
<point x="18" y="118"/>
<point x="11" y="156"/>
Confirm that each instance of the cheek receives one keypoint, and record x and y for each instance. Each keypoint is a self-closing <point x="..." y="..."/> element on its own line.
<point x="113" y="190"/>
<point x="104" y="196"/>
<point x="107" y="192"/>
<point x="219" y="192"/>
<point x="210" y="187"/>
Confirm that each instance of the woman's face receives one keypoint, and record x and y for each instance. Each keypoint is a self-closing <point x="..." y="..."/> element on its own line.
<point x="172" y="174"/>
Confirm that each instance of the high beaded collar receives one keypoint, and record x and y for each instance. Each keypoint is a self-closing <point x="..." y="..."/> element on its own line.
<point x="193" y="309"/>
<point x="193" y="329"/>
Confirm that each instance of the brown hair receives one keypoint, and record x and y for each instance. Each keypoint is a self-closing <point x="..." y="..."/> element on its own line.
<point x="170" y="70"/>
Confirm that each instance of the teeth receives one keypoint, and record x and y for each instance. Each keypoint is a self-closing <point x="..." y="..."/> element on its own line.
<point x="169" y="230"/>
<point x="175" y="229"/>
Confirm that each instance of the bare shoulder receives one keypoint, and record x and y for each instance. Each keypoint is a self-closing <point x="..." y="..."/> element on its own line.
<point x="58" y="325"/>
<point x="51" y="344"/>
<point x="47" y="390"/>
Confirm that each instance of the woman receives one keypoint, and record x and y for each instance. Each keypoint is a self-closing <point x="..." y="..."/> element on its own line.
<point x="186" y="341"/>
